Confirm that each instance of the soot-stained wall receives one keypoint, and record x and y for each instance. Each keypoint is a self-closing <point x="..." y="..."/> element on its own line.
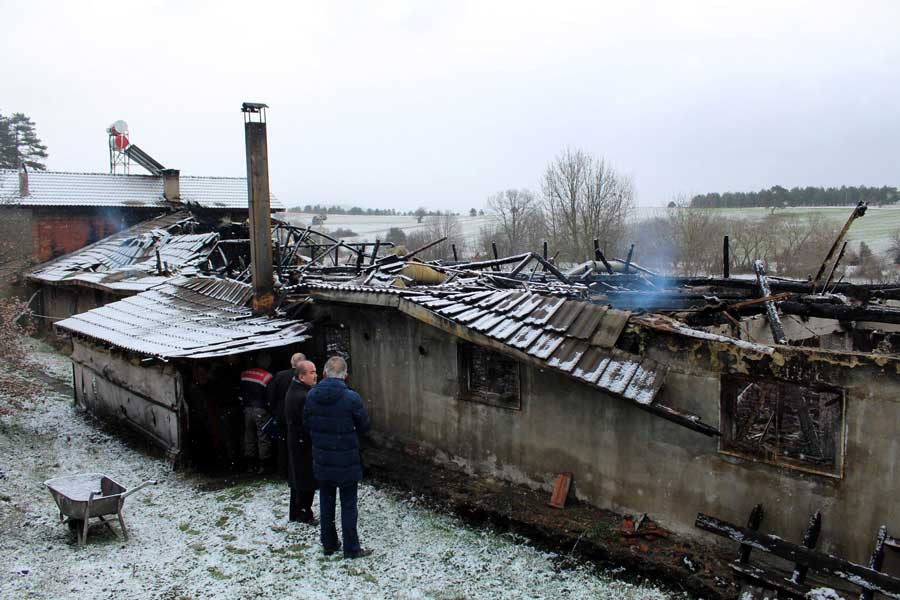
<point x="622" y="457"/>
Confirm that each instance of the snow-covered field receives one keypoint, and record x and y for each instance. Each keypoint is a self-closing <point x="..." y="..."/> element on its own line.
<point x="191" y="538"/>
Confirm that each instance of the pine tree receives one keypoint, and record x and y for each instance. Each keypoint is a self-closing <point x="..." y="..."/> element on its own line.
<point x="19" y="143"/>
<point x="7" y="146"/>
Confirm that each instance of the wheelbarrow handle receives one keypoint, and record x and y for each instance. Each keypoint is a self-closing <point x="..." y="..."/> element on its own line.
<point x="138" y="487"/>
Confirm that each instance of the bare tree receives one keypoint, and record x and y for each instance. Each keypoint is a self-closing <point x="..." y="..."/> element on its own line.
<point x="438" y="226"/>
<point x="517" y="222"/>
<point x="585" y="198"/>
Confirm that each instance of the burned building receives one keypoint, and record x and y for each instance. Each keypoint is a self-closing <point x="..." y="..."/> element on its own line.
<point x="49" y="214"/>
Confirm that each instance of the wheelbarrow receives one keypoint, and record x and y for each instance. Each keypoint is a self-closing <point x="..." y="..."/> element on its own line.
<point x="88" y="496"/>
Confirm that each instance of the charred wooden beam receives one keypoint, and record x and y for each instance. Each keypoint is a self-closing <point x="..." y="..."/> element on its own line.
<point x="375" y="252"/>
<point x="455" y="255"/>
<point x="842" y="312"/>
<point x="726" y="258"/>
<point x="834" y="267"/>
<point x="522" y="264"/>
<point x="545" y="250"/>
<point x="827" y="564"/>
<point x="810" y="537"/>
<point x="771" y="311"/>
<point x="628" y="258"/>
<point x="876" y="560"/>
<point x="753" y="523"/>
<point x="859" y="211"/>
<point x="552" y="268"/>
<point x="485" y="264"/>
<point x="423" y="248"/>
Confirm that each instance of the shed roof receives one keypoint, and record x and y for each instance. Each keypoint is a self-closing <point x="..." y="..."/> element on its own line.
<point x="197" y="317"/>
<point x="59" y="188"/>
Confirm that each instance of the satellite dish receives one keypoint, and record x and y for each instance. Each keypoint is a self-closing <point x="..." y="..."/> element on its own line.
<point x="120" y="127"/>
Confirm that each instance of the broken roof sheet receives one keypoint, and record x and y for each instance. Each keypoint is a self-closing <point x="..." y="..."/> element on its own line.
<point x="126" y="262"/>
<point x="58" y="188"/>
<point x="198" y="317"/>
<point x="525" y="321"/>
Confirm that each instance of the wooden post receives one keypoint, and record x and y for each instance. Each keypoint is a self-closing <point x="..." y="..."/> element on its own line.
<point x="545" y="249"/>
<point x="753" y="523"/>
<point x="810" y="537"/>
<point x="455" y="255"/>
<point x="375" y="251"/>
<point x="859" y="211"/>
<point x="876" y="560"/>
<point x="628" y="258"/>
<point x="726" y="258"/>
<point x="496" y="255"/>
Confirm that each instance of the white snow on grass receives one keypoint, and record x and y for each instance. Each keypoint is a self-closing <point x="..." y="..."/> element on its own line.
<point x="236" y="542"/>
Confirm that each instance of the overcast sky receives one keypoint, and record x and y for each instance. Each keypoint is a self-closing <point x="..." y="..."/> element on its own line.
<point x="408" y="103"/>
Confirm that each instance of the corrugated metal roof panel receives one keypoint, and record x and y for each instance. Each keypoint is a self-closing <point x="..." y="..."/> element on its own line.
<point x="583" y="327"/>
<point x="618" y="374"/>
<point x="196" y="317"/>
<point x="545" y="345"/>
<point x="610" y="328"/>
<point x="543" y="312"/>
<point x="563" y="318"/>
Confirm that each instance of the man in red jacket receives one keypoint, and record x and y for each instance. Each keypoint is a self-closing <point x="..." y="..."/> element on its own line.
<point x="254" y="401"/>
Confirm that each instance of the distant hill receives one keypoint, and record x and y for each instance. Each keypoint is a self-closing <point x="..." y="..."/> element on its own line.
<point x="777" y="196"/>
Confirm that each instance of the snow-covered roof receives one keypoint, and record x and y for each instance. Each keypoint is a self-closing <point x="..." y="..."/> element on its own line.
<point x="59" y="188"/>
<point x="196" y="317"/>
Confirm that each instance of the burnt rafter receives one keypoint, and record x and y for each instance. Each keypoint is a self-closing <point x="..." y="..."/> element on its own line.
<point x="804" y="556"/>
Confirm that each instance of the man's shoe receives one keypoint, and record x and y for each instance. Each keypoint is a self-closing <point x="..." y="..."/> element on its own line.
<point x="361" y="553"/>
<point x="333" y="550"/>
<point x="310" y="521"/>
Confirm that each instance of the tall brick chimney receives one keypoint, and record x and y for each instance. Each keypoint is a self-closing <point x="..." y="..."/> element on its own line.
<point x="260" y="218"/>
<point x="171" y="186"/>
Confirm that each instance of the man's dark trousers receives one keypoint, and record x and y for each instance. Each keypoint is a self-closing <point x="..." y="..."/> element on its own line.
<point x="301" y="505"/>
<point x="327" y="496"/>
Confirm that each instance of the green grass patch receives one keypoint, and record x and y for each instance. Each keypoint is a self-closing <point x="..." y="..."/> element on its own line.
<point x="186" y="528"/>
<point x="216" y="573"/>
<point x="228" y="537"/>
<point x="222" y="521"/>
<point x="236" y="550"/>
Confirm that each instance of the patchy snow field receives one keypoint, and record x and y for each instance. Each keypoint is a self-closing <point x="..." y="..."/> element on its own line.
<point x="236" y="542"/>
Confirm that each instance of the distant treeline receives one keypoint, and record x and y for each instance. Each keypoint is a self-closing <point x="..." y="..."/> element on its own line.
<point x="777" y="196"/>
<point x="340" y="210"/>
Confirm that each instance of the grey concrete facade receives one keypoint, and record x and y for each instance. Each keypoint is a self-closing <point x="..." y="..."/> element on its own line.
<point x="624" y="458"/>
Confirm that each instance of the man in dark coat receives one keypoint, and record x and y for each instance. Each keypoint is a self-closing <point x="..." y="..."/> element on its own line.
<point x="276" y="392"/>
<point x="334" y="417"/>
<point x="299" y="449"/>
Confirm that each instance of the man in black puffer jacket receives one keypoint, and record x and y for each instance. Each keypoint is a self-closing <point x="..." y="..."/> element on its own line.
<point x="334" y="416"/>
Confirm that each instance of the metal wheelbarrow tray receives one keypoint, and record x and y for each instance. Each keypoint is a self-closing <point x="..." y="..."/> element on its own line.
<point x="87" y="496"/>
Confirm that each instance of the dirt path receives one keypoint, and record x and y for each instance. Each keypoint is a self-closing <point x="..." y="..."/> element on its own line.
<point x="192" y="538"/>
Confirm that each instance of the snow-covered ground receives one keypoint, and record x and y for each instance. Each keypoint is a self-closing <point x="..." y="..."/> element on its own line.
<point x="192" y="539"/>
